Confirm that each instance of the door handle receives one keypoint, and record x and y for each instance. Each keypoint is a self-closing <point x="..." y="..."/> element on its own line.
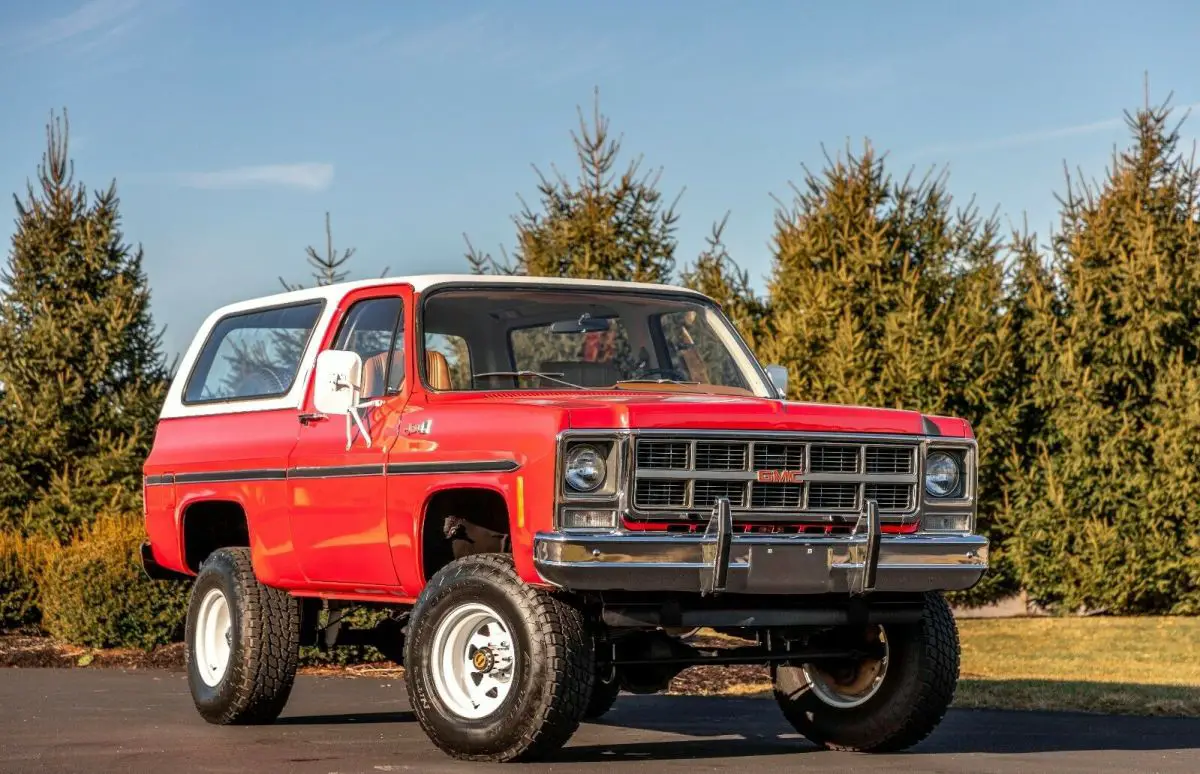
<point x="308" y="418"/>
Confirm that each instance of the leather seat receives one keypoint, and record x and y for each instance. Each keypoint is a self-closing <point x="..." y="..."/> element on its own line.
<point x="375" y="371"/>
<point x="437" y="371"/>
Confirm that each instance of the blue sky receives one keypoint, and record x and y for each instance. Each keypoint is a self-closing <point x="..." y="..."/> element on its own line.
<point x="231" y="127"/>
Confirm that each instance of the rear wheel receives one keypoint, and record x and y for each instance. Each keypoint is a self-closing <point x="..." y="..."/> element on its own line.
<point x="880" y="704"/>
<point x="496" y="670"/>
<point x="243" y="642"/>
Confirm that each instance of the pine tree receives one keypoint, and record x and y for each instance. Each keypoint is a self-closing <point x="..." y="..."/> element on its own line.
<point x="327" y="268"/>
<point x="606" y="224"/>
<point x="83" y="371"/>
<point x="1104" y="519"/>
<point x="884" y="294"/>
<point x="718" y="276"/>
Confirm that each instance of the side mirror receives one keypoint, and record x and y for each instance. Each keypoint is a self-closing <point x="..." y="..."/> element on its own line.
<point x="337" y="389"/>
<point x="338" y="382"/>
<point x="779" y="377"/>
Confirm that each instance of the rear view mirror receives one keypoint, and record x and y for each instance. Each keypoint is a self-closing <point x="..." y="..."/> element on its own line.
<point x="779" y="379"/>
<point x="585" y="324"/>
<point x="338" y="381"/>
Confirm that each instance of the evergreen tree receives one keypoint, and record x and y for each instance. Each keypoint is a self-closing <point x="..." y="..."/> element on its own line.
<point x="83" y="372"/>
<point x="1104" y="519"/>
<point x="884" y="294"/>
<point x="327" y="268"/>
<point x="606" y="224"/>
<point x="718" y="276"/>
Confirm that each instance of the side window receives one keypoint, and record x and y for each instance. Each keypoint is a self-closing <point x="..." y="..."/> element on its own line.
<point x="252" y="354"/>
<point x="374" y="328"/>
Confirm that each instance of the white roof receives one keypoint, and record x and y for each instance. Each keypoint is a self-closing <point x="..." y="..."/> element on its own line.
<point x="421" y="282"/>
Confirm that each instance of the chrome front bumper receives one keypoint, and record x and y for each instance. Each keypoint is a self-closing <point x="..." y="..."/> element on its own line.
<point x="720" y="561"/>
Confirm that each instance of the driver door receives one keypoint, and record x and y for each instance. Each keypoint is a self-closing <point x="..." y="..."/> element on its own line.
<point x="337" y="495"/>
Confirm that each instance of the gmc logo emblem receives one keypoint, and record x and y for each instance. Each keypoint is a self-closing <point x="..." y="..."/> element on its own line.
<point x="778" y="476"/>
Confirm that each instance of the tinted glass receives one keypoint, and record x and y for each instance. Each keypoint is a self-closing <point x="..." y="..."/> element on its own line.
<point x="252" y="354"/>
<point x="368" y="329"/>
<point x="540" y="338"/>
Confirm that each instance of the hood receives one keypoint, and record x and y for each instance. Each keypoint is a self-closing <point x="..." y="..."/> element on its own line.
<point x="719" y="412"/>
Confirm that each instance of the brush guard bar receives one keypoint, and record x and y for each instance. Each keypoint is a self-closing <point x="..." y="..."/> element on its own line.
<point x="720" y="561"/>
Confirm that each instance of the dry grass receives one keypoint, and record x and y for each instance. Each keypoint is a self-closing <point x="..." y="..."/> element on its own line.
<point x="1152" y="650"/>
<point x="1141" y="666"/>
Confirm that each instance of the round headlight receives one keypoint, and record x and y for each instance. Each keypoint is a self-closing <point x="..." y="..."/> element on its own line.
<point x="941" y="474"/>
<point x="585" y="468"/>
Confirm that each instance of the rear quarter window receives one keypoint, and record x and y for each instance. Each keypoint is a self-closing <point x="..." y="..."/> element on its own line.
<point x="251" y="355"/>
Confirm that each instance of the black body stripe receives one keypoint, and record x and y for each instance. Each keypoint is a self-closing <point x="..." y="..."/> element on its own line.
<point x="337" y="471"/>
<point x="466" y="466"/>
<point x="160" y="480"/>
<point x="333" y="471"/>
<point x="222" y="476"/>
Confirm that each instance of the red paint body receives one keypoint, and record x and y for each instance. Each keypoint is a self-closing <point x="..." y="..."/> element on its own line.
<point x="360" y="537"/>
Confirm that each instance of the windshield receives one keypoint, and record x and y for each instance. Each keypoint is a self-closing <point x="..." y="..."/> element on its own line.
<point x="506" y="338"/>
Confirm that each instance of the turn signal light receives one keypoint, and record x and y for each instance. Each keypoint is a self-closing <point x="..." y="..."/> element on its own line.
<point x="588" y="518"/>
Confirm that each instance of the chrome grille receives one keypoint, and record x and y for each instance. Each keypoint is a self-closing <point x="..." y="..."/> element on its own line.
<point x="834" y="459"/>
<point x="661" y="494"/>
<point x="890" y="459"/>
<point x="778" y="456"/>
<point x="890" y="497"/>
<point x="707" y="493"/>
<point x="777" y="496"/>
<point x="773" y="475"/>
<point x="824" y="496"/>
<point x="662" y="455"/>
<point x="720" y="456"/>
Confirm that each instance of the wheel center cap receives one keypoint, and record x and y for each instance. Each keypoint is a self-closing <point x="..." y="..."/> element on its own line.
<point x="483" y="660"/>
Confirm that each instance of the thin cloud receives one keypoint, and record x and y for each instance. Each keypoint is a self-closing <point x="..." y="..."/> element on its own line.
<point x="304" y="177"/>
<point x="1035" y="137"/>
<point x="94" y="20"/>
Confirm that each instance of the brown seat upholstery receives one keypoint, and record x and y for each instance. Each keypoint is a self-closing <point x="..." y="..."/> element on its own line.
<point x="375" y="370"/>
<point x="437" y="371"/>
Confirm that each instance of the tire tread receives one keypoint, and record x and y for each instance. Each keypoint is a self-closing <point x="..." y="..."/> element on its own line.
<point x="557" y="623"/>
<point x="270" y="646"/>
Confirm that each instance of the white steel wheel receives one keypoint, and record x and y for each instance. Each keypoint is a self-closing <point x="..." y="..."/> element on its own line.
<point x="213" y="639"/>
<point x="474" y="660"/>
<point x="847" y="687"/>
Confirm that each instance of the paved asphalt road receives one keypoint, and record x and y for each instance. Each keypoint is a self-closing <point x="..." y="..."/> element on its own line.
<point x="108" y="720"/>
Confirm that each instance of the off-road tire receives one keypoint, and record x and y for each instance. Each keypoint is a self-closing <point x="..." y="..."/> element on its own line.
<point x="604" y="696"/>
<point x="265" y="643"/>
<point x="922" y="674"/>
<point x="553" y="673"/>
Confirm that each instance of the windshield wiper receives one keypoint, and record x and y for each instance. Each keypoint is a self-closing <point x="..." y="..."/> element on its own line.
<point x="655" y="381"/>
<point x="549" y="377"/>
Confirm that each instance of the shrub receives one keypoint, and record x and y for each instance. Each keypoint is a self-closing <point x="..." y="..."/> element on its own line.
<point x="95" y="594"/>
<point x="359" y="618"/>
<point x="21" y="562"/>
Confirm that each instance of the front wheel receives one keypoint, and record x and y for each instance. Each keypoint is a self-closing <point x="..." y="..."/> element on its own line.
<point x="243" y="642"/>
<point x="496" y="670"/>
<point x="881" y="704"/>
